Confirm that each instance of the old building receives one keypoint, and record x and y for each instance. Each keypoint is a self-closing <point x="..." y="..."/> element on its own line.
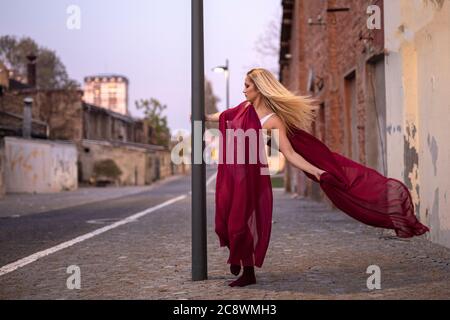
<point x="418" y="104"/>
<point x="99" y="134"/>
<point x="377" y="69"/>
<point x="328" y="52"/>
<point x="109" y="91"/>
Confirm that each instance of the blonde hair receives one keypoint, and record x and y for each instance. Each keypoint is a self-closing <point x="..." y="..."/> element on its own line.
<point x="294" y="110"/>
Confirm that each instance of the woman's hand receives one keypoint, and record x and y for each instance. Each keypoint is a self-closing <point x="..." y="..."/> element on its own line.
<point x="287" y="150"/>
<point x="190" y="117"/>
<point x="317" y="173"/>
<point x="212" y="117"/>
<point x="207" y="117"/>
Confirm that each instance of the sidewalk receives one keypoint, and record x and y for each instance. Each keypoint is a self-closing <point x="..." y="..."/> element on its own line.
<point x="318" y="253"/>
<point x="20" y="204"/>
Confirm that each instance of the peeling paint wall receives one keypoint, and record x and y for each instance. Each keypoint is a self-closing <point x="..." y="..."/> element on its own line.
<point x="417" y="37"/>
<point x="39" y="166"/>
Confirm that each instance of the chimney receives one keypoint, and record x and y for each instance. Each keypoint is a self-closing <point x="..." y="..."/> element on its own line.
<point x="31" y="68"/>
<point x="27" y="117"/>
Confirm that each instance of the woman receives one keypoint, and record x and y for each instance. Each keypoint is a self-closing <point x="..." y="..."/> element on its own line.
<point x="244" y="195"/>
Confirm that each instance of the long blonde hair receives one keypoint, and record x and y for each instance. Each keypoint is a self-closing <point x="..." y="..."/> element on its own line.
<point x="294" y="110"/>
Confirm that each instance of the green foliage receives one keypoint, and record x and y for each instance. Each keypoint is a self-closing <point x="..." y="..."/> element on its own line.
<point x="153" y="113"/>
<point x="107" y="168"/>
<point x="50" y="71"/>
<point x="277" y="182"/>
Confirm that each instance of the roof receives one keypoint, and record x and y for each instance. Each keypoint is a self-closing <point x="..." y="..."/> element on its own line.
<point x="109" y="112"/>
<point x="17" y="85"/>
<point x="107" y="75"/>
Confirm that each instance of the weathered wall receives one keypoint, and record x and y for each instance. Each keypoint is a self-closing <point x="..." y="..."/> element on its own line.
<point x="39" y="166"/>
<point x="2" y="168"/>
<point x="418" y="100"/>
<point x="131" y="161"/>
<point x="165" y="163"/>
<point x="139" y="165"/>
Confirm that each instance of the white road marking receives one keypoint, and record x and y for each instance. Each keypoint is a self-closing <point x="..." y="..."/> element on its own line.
<point x="38" y="255"/>
<point x="211" y="179"/>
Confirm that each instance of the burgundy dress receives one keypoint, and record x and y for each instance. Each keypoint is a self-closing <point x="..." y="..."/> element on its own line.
<point x="244" y="196"/>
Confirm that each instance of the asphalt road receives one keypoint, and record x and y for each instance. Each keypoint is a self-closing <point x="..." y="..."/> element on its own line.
<point x="25" y="235"/>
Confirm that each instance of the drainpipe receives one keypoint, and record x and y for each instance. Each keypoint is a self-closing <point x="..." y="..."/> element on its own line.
<point x="27" y="117"/>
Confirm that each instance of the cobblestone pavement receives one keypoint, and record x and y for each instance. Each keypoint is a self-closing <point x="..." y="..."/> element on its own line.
<point x="315" y="253"/>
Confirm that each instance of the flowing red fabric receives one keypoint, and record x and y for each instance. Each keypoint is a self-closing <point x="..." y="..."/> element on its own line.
<point x="244" y="195"/>
<point x="243" y="218"/>
<point x="361" y="192"/>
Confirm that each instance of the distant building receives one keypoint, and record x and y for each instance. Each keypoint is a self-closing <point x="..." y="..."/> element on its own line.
<point x="62" y="134"/>
<point x="109" y="91"/>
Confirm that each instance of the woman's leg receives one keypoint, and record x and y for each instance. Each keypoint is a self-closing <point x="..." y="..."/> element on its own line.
<point x="248" y="277"/>
<point x="235" y="269"/>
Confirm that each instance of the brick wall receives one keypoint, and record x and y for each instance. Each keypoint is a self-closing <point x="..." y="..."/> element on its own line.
<point x="338" y="59"/>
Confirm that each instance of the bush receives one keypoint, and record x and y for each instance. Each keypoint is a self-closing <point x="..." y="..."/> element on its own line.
<point x="107" y="169"/>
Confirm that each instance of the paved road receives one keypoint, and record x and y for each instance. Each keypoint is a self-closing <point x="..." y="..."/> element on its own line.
<point x="315" y="253"/>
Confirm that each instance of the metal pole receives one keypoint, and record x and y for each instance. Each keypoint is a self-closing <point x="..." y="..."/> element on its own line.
<point x="27" y="122"/>
<point x="199" y="261"/>
<point x="228" y="84"/>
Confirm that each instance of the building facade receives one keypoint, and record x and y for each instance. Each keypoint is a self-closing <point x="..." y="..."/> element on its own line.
<point x="328" y="52"/>
<point x="377" y="69"/>
<point x="418" y="104"/>
<point x="109" y="91"/>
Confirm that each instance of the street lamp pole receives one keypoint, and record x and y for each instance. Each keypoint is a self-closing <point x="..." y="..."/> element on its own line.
<point x="225" y="69"/>
<point x="198" y="187"/>
<point x="227" y="75"/>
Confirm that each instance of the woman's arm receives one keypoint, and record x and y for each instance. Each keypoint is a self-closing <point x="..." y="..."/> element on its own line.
<point x="289" y="153"/>
<point x="213" y="117"/>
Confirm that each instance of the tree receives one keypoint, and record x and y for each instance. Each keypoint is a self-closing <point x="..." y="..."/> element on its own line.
<point x="210" y="103"/>
<point x="267" y="46"/>
<point x="153" y="109"/>
<point x="50" y="71"/>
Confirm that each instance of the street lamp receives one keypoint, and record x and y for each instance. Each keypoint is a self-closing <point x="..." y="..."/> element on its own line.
<point x="225" y="69"/>
<point x="198" y="186"/>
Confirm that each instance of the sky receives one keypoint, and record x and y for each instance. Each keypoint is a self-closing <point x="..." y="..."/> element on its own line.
<point x="149" y="42"/>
